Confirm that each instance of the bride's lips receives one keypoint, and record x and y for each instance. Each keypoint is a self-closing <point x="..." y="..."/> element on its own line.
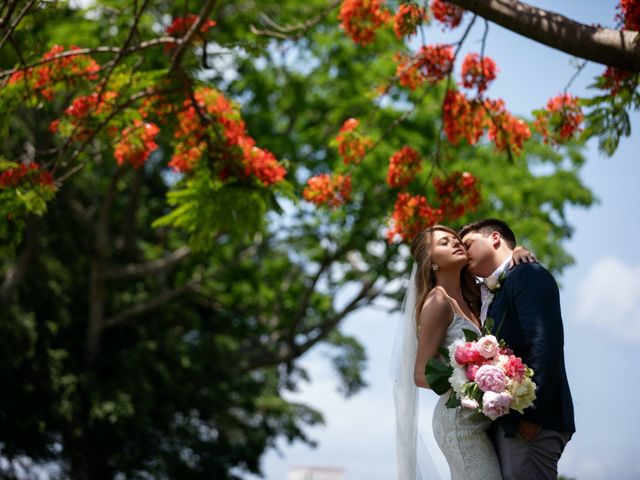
<point x="459" y="251"/>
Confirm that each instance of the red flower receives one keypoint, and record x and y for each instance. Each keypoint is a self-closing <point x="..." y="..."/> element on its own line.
<point x="261" y="163"/>
<point x="25" y="174"/>
<point x="462" y="118"/>
<point x="361" y="18"/>
<point x="561" y="119"/>
<point x="136" y="144"/>
<point x="447" y="14"/>
<point x="457" y="194"/>
<point x="476" y="73"/>
<point x="411" y="214"/>
<point x="328" y="190"/>
<point x="407" y="19"/>
<point x="431" y="64"/>
<point x="404" y="165"/>
<point x="615" y="79"/>
<point x="505" y="130"/>
<point x="629" y="14"/>
<point x="352" y="145"/>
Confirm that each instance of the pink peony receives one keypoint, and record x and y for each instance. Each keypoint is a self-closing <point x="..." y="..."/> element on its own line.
<point x="488" y="346"/>
<point x="468" y="353"/>
<point x="495" y="405"/>
<point x="472" y="369"/>
<point x="491" y="379"/>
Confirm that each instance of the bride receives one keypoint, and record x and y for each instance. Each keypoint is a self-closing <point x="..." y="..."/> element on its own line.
<point x="446" y="298"/>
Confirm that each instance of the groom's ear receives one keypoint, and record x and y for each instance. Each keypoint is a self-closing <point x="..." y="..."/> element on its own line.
<point x="496" y="239"/>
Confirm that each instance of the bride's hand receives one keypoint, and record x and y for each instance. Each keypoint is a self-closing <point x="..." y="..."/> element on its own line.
<point x="521" y="255"/>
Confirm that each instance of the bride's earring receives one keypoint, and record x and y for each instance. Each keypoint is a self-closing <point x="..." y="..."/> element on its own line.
<point x="435" y="267"/>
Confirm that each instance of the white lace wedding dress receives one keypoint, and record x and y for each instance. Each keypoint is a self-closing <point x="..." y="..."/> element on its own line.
<point x="460" y="433"/>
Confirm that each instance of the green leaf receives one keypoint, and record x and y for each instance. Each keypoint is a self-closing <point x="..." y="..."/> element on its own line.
<point x="470" y="335"/>
<point x="437" y="374"/>
<point x="442" y="350"/>
<point x="453" y="401"/>
<point x="487" y="328"/>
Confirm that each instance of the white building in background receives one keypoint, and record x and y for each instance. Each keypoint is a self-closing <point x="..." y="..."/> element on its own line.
<point x="315" y="473"/>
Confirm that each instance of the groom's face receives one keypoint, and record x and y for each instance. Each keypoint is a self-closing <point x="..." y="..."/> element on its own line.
<point x="480" y="253"/>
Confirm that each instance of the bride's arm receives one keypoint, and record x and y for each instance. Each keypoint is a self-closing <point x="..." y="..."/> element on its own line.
<point x="522" y="255"/>
<point x="434" y="320"/>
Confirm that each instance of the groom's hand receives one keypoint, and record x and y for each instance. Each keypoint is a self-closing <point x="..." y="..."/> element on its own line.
<point x="528" y="430"/>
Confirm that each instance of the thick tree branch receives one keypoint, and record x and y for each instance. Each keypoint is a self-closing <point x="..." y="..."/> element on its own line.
<point x="153" y="303"/>
<point x="290" y="351"/>
<point x="148" y="268"/>
<point x="602" y="45"/>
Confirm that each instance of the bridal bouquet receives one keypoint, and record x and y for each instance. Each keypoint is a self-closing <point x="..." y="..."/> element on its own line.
<point x="483" y="374"/>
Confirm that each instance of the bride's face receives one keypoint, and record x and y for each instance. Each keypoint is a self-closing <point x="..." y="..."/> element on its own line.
<point x="447" y="251"/>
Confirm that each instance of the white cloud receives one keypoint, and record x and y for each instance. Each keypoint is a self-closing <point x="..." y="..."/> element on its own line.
<point x="609" y="298"/>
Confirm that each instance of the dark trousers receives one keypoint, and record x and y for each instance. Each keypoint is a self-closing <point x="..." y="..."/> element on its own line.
<point x="535" y="460"/>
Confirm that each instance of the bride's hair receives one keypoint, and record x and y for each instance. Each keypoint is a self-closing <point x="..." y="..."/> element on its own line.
<point x="426" y="280"/>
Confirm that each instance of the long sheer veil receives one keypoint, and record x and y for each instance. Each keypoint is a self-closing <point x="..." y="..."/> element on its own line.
<point x="412" y="456"/>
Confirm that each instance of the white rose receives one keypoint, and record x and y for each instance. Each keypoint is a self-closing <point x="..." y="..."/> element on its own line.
<point x="492" y="282"/>
<point x="470" y="403"/>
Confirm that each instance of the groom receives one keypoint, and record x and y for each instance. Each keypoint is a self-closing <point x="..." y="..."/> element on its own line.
<point x="525" y="306"/>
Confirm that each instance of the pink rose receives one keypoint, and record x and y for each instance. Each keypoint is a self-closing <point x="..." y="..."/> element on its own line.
<point x="472" y="369"/>
<point x="468" y="402"/>
<point x="491" y="379"/>
<point x="488" y="346"/>
<point x="467" y="353"/>
<point x="514" y="368"/>
<point x="495" y="405"/>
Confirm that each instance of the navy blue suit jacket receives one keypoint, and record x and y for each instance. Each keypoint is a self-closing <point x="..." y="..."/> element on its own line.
<point x="526" y="311"/>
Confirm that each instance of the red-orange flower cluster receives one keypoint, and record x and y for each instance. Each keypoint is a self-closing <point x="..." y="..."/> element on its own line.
<point x="240" y="156"/>
<point x="506" y="131"/>
<point x="352" y="145"/>
<point x="407" y="19"/>
<point x="261" y="163"/>
<point x="69" y="68"/>
<point x="411" y="214"/>
<point x="457" y="193"/>
<point x="616" y="79"/>
<point x="31" y="173"/>
<point x="404" y="165"/>
<point x="477" y="73"/>
<point x="446" y="13"/>
<point x="629" y="14"/>
<point x="136" y="144"/>
<point x="361" y="18"/>
<point x="431" y="64"/>
<point x="462" y="118"/>
<point x="85" y="104"/>
<point x="328" y="190"/>
<point x="561" y="119"/>
<point x="181" y="25"/>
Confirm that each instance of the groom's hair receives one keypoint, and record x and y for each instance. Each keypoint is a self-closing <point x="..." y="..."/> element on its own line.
<point x="489" y="225"/>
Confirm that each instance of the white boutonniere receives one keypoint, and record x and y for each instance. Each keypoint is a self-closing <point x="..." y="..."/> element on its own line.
<point x="493" y="283"/>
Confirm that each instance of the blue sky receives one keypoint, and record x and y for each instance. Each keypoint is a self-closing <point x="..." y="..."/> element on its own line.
<point x="600" y="300"/>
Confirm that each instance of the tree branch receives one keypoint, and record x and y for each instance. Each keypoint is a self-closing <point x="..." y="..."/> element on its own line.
<point x="617" y="48"/>
<point x="155" y="302"/>
<point x="188" y="37"/>
<point x="148" y="268"/>
<point x="290" y="351"/>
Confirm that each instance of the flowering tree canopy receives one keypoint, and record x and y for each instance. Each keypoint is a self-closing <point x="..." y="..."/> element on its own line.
<point x="195" y="194"/>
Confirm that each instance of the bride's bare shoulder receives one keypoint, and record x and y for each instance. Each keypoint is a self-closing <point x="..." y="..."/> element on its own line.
<point x="436" y="307"/>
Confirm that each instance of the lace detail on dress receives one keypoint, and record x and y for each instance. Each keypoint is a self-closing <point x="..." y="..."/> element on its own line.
<point x="461" y="433"/>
